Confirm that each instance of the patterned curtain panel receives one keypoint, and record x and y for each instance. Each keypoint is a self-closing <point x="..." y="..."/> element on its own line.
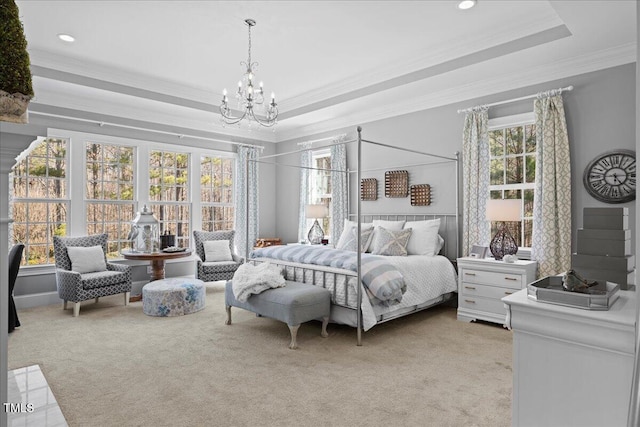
<point x="551" y="242"/>
<point x="475" y="179"/>
<point x="339" y="203"/>
<point x="305" y="163"/>
<point x="246" y="176"/>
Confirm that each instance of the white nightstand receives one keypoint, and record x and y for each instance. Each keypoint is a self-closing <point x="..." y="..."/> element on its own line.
<point x="482" y="283"/>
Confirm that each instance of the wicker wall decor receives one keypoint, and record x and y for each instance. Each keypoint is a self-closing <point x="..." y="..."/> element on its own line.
<point x="420" y="195"/>
<point x="396" y="184"/>
<point x="368" y="189"/>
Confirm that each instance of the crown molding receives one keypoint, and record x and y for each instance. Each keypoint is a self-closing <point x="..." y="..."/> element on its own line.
<point x="603" y="59"/>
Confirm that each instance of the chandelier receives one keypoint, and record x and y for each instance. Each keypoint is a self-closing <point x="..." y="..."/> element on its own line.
<point x="249" y="96"/>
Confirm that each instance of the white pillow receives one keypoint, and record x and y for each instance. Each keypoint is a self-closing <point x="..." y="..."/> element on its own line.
<point x="87" y="259"/>
<point x="389" y="225"/>
<point x="425" y="239"/>
<point x="217" y="250"/>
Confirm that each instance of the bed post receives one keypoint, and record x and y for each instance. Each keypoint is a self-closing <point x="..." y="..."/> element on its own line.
<point x="246" y="209"/>
<point x="358" y="243"/>
<point x="457" y="253"/>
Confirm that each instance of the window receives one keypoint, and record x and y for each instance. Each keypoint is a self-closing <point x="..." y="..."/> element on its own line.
<point x="169" y="193"/>
<point x="110" y="193"/>
<point x="40" y="202"/>
<point x="320" y="185"/>
<point x="216" y="193"/>
<point x="513" y="163"/>
<point x="77" y="184"/>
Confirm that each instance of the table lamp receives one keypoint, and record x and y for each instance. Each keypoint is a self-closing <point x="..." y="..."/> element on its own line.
<point x="316" y="234"/>
<point x="502" y="210"/>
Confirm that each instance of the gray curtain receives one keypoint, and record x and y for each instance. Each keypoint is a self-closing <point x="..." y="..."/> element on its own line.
<point x="475" y="179"/>
<point x="305" y="163"/>
<point x="246" y="176"/>
<point x="339" y="202"/>
<point x="551" y="243"/>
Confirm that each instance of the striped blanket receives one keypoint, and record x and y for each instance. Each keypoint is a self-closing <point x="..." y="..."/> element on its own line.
<point x="381" y="280"/>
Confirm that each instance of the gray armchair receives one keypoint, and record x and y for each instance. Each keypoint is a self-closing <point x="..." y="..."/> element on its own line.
<point x="77" y="287"/>
<point x="216" y="270"/>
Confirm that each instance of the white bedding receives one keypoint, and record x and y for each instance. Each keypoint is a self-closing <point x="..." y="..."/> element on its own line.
<point x="426" y="277"/>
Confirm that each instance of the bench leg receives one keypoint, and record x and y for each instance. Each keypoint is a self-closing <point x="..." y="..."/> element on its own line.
<point x="228" y="321"/>
<point x="294" y="334"/>
<point x="325" y="322"/>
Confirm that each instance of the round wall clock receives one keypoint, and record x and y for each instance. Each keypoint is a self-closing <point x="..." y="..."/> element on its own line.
<point x="611" y="176"/>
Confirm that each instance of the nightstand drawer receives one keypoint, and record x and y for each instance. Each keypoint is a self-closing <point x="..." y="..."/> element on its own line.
<point x="473" y="290"/>
<point x="486" y="305"/>
<point x="507" y="280"/>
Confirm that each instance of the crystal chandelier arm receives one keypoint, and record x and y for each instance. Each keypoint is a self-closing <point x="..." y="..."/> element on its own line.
<point x="271" y="119"/>
<point x="228" y="118"/>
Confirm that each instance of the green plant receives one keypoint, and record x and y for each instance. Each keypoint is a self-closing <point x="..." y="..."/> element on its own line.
<point x="15" y="75"/>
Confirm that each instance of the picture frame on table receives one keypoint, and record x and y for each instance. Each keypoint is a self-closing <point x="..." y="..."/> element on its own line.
<point x="478" y="251"/>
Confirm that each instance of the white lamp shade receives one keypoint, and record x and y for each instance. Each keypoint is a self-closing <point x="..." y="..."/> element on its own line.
<point x="504" y="209"/>
<point x="316" y="211"/>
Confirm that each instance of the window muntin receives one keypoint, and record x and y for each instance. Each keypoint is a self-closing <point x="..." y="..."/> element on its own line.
<point x="320" y="186"/>
<point x="68" y="209"/>
<point x="512" y="151"/>
<point x="216" y="192"/>
<point x="169" y="194"/>
<point x="40" y="200"/>
<point x="110" y="183"/>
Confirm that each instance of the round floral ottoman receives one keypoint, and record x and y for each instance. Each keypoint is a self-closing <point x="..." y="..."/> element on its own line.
<point x="173" y="297"/>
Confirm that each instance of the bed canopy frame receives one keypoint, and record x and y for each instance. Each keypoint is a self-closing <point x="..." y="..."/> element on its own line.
<point x="359" y="141"/>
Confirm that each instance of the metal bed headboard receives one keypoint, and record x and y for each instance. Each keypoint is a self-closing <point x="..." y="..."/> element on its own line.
<point x="448" y="226"/>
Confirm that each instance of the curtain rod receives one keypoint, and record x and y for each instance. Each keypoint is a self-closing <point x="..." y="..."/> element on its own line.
<point x="342" y="135"/>
<point x="467" y="110"/>
<point x="179" y="135"/>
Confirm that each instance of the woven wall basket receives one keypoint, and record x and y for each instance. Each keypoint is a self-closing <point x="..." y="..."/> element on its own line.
<point x="13" y="107"/>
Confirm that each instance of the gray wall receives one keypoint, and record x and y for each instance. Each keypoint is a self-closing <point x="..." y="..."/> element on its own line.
<point x="600" y="114"/>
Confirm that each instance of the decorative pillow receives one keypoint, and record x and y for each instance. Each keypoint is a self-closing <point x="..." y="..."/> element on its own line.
<point x="346" y="235"/>
<point x="216" y="250"/>
<point x="352" y="243"/>
<point x="424" y="237"/>
<point x="389" y="225"/>
<point x="390" y="242"/>
<point x="87" y="259"/>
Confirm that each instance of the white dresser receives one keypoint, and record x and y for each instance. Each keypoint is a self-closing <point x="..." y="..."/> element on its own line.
<point x="483" y="282"/>
<point x="571" y="367"/>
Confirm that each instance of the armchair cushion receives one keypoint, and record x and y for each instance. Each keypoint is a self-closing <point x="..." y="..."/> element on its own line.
<point x="101" y="278"/>
<point x="217" y="250"/>
<point x="87" y="259"/>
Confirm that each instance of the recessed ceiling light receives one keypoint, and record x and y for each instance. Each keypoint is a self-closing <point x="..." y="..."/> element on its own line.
<point x="66" y="38"/>
<point x="466" y="4"/>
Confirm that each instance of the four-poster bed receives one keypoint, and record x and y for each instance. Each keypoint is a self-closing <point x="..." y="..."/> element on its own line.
<point x="430" y="279"/>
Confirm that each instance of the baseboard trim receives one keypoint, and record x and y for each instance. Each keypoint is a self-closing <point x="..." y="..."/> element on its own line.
<point x="36" y="300"/>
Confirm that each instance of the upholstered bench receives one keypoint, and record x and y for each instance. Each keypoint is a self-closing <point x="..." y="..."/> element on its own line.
<point x="293" y="304"/>
<point x="173" y="297"/>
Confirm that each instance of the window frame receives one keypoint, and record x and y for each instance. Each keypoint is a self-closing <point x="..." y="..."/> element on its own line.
<point x="222" y="205"/>
<point x="506" y="122"/>
<point x="316" y="197"/>
<point x="65" y="201"/>
<point x="76" y="191"/>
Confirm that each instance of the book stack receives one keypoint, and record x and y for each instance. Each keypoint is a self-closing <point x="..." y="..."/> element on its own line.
<point x="603" y="250"/>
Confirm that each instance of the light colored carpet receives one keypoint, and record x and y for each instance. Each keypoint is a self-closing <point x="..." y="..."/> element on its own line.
<point x="115" y="366"/>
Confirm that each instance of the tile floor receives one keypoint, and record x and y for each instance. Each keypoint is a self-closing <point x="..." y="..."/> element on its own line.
<point x="33" y="402"/>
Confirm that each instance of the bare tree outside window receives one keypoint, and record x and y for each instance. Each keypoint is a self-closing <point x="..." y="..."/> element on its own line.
<point x="512" y="176"/>
<point x="216" y="193"/>
<point x="40" y="201"/>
